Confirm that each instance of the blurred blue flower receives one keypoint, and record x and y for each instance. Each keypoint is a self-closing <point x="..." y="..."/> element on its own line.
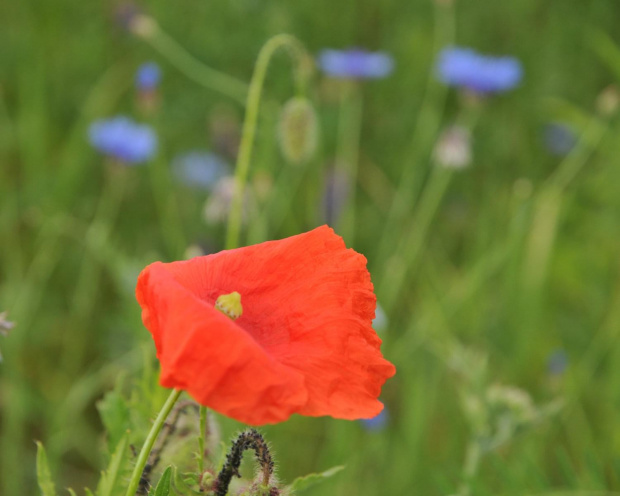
<point x="557" y="362"/>
<point x="148" y="76"/>
<point x="337" y="188"/>
<point x="356" y="64"/>
<point x="200" y="169"/>
<point x="479" y="73"/>
<point x="123" y="139"/>
<point x="559" y="138"/>
<point x="378" y="422"/>
<point x="380" y="322"/>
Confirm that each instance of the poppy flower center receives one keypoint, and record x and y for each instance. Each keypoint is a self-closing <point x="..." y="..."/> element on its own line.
<point x="230" y="304"/>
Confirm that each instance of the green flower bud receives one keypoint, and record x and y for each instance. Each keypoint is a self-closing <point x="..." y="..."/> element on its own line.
<point x="298" y="130"/>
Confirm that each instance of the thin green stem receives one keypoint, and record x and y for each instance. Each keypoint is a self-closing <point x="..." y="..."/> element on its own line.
<point x="347" y="155"/>
<point x="405" y="258"/>
<point x="575" y="161"/>
<point x="95" y="238"/>
<point x="104" y="95"/>
<point x="167" y="208"/>
<point x="470" y="466"/>
<point x="201" y="439"/>
<point x="192" y="67"/>
<point x="426" y="129"/>
<point x="543" y="230"/>
<point x="249" y="125"/>
<point x="150" y="441"/>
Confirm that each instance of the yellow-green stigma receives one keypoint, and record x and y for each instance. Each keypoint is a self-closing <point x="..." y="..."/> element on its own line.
<point x="230" y="304"/>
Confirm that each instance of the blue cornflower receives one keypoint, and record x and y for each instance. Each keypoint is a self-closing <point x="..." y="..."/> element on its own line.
<point x="557" y="362"/>
<point x="479" y="73"/>
<point x="356" y="64"/>
<point x="148" y="76"/>
<point x="335" y="195"/>
<point x="559" y="138"/>
<point x="200" y="169"/>
<point x="123" y="139"/>
<point x="377" y="423"/>
<point x="380" y="322"/>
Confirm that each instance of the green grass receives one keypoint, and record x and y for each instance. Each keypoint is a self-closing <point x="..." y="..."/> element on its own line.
<point x="515" y="256"/>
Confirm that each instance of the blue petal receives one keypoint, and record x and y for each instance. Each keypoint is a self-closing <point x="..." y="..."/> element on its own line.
<point x="123" y="139"/>
<point x="356" y="64"/>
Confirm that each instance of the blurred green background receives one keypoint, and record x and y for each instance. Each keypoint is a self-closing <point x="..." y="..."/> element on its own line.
<point x="512" y="259"/>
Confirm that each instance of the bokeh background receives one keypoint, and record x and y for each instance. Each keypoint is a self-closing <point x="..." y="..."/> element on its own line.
<point x="499" y="282"/>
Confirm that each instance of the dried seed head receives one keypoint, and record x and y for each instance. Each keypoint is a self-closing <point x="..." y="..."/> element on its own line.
<point x="608" y="100"/>
<point x="143" y="26"/>
<point x="298" y="130"/>
<point x="453" y="149"/>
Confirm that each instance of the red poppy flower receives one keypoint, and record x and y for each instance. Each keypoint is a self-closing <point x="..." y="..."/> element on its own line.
<point x="303" y="344"/>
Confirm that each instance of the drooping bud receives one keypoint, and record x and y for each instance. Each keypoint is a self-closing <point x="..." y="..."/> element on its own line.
<point x="264" y="485"/>
<point x="298" y="130"/>
<point x="230" y="304"/>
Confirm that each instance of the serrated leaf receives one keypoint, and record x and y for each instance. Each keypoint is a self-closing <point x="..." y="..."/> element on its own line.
<point x="180" y="483"/>
<point x="44" y="476"/>
<point x="302" y="483"/>
<point x="163" y="486"/>
<point x="111" y="477"/>
<point x="114" y="413"/>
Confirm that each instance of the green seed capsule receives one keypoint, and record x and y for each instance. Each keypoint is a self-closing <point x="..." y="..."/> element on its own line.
<point x="230" y="304"/>
<point x="298" y="130"/>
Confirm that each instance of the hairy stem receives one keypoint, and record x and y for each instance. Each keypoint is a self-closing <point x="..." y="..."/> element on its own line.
<point x="150" y="441"/>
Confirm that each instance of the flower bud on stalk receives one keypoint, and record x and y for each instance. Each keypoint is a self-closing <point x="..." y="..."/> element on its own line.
<point x="298" y="130"/>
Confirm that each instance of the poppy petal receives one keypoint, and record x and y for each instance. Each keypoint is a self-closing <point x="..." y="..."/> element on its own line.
<point x="304" y="343"/>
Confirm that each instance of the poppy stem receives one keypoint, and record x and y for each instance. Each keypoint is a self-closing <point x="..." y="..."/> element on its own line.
<point x="194" y="69"/>
<point x="150" y="441"/>
<point x="201" y="439"/>
<point x="347" y="155"/>
<point x="298" y="53"/>
<point x="425" y="131"/>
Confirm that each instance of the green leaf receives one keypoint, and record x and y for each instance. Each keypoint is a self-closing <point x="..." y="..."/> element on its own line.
<point x="114" y="414"/>
<point x="88" y="492"/>
<point x="606" y="50"/>
<point x="163" y="486"/>
<point x="182" y="484"/>
<point x="44" y="476"/>
<point x="71" y="492"/>
<point x="310" y="480"/>
<point x="110" y="479"/>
